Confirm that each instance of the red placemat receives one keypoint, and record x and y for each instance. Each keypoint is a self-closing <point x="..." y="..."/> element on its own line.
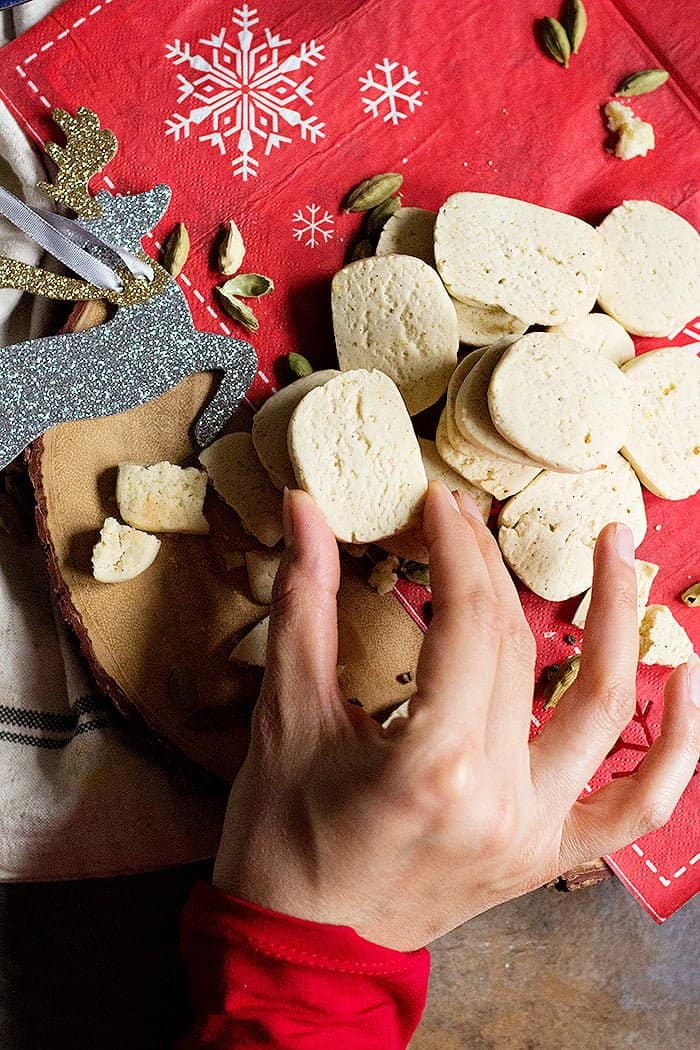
<point x="269" y="114"/>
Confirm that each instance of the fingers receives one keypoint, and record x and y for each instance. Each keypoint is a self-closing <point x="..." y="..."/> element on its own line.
<point x="631" y="807"/>
<point x="302" y="653"/>
<point x="594" y="711"/>
<point x="458" y="660"/>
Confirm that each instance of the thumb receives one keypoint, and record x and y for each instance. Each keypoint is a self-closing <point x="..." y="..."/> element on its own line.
<point x="302" y="651"/>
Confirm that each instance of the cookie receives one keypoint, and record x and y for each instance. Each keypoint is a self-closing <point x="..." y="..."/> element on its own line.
<point x="651" y="283"/>
<point x="122" y="553"/>
<point x="539" y="265"/>
<point x="162" y="498"/>
<point x="354" y="451"/>
<point x="242" y="482"/>
<point x="471" y="411"/>
<point x="409" y="231"/>
<point x="662" y="640"/>
<point x="564" y="408"/>
<point x="270" y="427"/>
<point x="499" y="477"/>
<point x="600" y="333"/>
<point x="548" y="531"/>
<point x="393" y="314"/>
<point x="251" y="651"/>
<point x="262" y="569"/>
<point x="663" y="443"/>
<point x="646" y="572"/>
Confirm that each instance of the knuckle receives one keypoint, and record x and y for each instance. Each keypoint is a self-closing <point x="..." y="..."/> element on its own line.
<point x="652" y="814"/>
<point x="484" y="613"/>
<point x="615" y="701"/>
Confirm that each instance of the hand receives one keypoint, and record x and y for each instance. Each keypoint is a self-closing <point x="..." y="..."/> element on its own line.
<point x="406" y="833"/>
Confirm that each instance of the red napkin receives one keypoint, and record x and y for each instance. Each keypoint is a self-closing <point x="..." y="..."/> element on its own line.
<point x="270" y="114"/>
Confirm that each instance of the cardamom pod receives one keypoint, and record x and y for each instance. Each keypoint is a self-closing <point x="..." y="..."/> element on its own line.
<point x="417" y="572"/>
<point x="373" y="191"/>
<point x="237" y="310"/>
<point x="249" y="285"/>
<point x="299" y="365"/>
<point x="642" y="83"/>
<point x="691" y="597"/>
<point x="231" y="249"/>
<point x="576" y="23"/>
<point x="377" y="217"/>
<point x="555" y="41"/>
<point x="568" y="673"/>
<point x="176" y="250"/>
<point x="364" y="249"/>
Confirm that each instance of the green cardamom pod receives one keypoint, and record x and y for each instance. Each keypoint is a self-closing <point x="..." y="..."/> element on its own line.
<point x="249" y="285"/>
<point x="555" y="41"/>
<point x="377" y="217"/>
<point x="231" y="249"/>
<point x="417" y="572"/>
<point x="364" y="249"/>
<point x="373" y="191"/>
<point x="576" y="23"/>
<point x="237" y="310"/>
<point x="299" y="365"/>
<point x="642" y="83"/>
<point x="568" y="673"/>
<point x="176" y="250"/>
<point x="691" y="597"/>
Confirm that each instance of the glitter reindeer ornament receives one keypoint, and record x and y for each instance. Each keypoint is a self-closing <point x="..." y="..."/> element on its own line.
<point x="147" y="347"/>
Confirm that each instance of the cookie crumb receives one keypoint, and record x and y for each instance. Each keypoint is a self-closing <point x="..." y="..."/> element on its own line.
<point x="384" y="577"/>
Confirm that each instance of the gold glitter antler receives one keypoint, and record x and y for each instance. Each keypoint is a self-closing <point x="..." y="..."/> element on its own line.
<point x="87" y="150"/>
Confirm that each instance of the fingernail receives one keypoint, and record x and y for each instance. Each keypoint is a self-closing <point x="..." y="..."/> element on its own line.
<point x="468" y="505"/>
<point x="624" y="544"/>
<point x="694" y="678"/>
<point x="287" y="518"/>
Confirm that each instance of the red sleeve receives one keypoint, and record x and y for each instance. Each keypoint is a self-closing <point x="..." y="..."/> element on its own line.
<point x="261" y="979"/>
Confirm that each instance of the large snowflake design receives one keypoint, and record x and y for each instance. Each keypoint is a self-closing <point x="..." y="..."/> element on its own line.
<point x="244" y="91"/>
<point x="389" y="94"/>
<point x="312" y="226"/>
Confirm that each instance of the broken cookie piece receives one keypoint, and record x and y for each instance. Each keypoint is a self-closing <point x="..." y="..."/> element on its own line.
<point x="262" y="568"/>
<point x="635" y="136"/>
<point x="162" y="498"/>
<point x="252" y="648"/>
<point x="122" y="553"/>
<point x="662" y="640"/>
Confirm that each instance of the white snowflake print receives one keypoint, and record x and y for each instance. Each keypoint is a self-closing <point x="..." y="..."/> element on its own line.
<point x="244" y="93"/>
<point x="392" y="92"/>
<point x="312" y="228"/>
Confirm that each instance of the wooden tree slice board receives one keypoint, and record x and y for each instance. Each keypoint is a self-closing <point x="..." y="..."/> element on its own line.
<point x="158" y="645"/>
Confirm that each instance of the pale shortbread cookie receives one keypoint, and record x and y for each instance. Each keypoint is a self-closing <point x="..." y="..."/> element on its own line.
<point x="601" y="333"/>
<point x="354" y="451"/>
<point x="393" y="314"/>
<point x="271" y="422"/>
<point x="162" y="498"/>
<point x="262" y="569"/>
<point x="663" y="443"/>
<point x="662" y="640"/>
<point x="242" y="482"/>
<point x="646" y="572"/>
<point x="471" y="411"/>
<point x="548" y="531"/>
<point x="564" y="408"/>
<point x="651" y="284"/>
<point x="409" y="231"/>
<point x="252" y="648"/>
<point x="539" y="265"/>
<point x="122" y="553"/>
<point x="494" y="475"/>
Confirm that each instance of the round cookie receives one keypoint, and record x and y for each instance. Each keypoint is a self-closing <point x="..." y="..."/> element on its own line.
<point x="499" y="477"/>
<point x="548" y="531"/>
<point x="539" y="265"/>
<point x="458" y="376"/>
<point x="651" y="284"/>
<point x="271" y="422"/>
<point x="409" y="231"/>
<point x="601" y="333"/>
<point x="393" y="313"/>
<point x="567" y="409"/>
<point x="663" y="443"/>
<point x="471" y="412"/>
<point x="354" y="451"/>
